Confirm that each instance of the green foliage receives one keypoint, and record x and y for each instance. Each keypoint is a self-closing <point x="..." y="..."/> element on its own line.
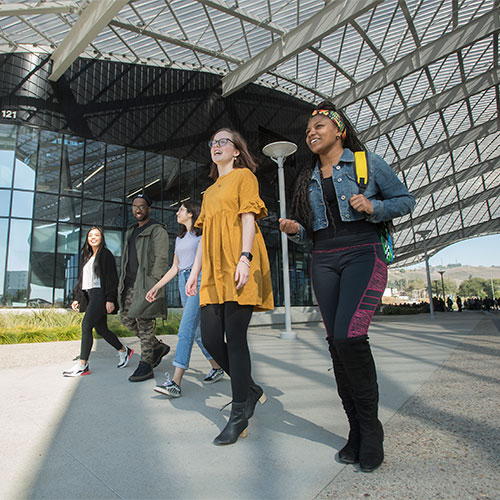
<point x="50" y="326"/>
<point x="474" y="287"/>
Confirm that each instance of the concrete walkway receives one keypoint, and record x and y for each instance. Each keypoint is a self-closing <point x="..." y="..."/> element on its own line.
<point x="102" y="437"/>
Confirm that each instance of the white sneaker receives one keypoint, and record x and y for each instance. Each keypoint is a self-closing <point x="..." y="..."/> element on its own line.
<point x="77" y="370"/>
<point x="169" y="388"/>
<point x="125" y="357"/>
<point x="214" y="375"/>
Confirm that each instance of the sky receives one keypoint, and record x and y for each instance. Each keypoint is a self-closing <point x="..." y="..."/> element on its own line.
<point x="483" y="251"/>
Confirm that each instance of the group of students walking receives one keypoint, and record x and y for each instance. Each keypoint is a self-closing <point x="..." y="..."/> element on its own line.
<point x="223" y="271"/>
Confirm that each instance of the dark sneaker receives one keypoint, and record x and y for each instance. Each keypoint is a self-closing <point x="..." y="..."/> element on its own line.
<point x="158" y="353"/>
<point x="77" y="370"/>
<point x="143" y="372"/>
<point x="125" y="357"/>
<point x="169" y="388"/>
<point x="214" y="375"/>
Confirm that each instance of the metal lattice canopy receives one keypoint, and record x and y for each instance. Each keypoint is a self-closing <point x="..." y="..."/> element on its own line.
<point x="419" y="79"/>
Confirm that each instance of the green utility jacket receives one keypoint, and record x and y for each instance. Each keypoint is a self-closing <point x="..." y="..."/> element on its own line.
<point x="152" y="254"/>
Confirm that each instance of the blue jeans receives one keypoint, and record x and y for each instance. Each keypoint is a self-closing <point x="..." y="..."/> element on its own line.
<point x="189" y="329"/>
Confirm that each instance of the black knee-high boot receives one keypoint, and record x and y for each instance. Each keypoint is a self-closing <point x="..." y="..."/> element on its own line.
<point x="357" y="359"/>
<point x="349" y="454"/>
<point x="236" y="426"/>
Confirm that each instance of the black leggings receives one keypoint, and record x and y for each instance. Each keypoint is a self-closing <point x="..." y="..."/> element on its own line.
<point x="349" y="283"/>
<point x="95" y="317"/>
<point x="231" y="353"/>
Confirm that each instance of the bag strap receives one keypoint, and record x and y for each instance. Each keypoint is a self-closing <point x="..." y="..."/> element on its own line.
<point x="361" y="168"/>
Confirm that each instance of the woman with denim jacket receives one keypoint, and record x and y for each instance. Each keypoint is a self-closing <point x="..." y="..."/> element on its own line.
<point x="186" y="245"/>
<point x="349" y="272"/>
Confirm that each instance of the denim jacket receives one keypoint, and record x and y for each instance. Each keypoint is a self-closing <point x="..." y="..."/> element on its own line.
<point x="388" y="194"/>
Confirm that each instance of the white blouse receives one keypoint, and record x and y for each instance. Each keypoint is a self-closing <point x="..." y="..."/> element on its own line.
<point x="89" y="277"/>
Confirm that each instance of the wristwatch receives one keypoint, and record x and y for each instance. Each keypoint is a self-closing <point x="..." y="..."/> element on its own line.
<point x="248" y="255"/>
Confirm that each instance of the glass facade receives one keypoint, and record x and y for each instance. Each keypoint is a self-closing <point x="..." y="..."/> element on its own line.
<point x="54" y="187"/>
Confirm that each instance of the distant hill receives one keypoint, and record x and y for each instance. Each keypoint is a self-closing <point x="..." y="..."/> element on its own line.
<point x="452" y="272"/>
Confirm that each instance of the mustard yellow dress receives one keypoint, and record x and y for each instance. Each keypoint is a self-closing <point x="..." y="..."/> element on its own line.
<point x="223" y="203"/>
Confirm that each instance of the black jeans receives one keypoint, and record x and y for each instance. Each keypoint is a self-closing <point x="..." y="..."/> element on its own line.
<point x="95" y="317"/>
<point x="231" y="352"/>
<point x="349" y="283"/>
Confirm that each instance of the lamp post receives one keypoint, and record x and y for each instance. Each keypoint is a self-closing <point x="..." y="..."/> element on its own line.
<point x="442" y="281"/>
<point x="278" y="151"/>
<point x="423" y="234"/>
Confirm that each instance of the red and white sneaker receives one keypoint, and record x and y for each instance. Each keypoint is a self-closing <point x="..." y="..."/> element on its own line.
<point x="77" y="370"/>
<point x="125" y="357"/>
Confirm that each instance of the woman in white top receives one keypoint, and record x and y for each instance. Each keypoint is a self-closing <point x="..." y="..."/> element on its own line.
<point x="96" y="295"/>
<point x="186" y="245"/>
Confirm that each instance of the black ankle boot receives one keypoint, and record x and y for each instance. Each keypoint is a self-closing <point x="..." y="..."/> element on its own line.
<point x="349" y="454"/>
<point x="357" y="359"/>
<point x="236" y="426"/>
<point x="255" y="394"/>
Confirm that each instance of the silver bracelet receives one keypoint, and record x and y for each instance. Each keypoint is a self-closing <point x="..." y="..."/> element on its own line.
<point x="245" y="262"/>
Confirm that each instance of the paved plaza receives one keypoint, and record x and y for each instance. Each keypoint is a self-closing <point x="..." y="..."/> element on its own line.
<point x="102" y="437"/>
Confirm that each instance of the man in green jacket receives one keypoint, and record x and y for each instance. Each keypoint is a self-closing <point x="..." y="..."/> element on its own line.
<point x="144" y="261"/>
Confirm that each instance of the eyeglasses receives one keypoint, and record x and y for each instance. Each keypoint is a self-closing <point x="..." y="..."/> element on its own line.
<point x="221" y="142"/>
<point x="139" y="208"/>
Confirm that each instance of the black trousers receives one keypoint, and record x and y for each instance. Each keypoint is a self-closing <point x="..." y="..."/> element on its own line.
<point x="349" y="283"/>
<point x="224" y="335"/>
<point x="95" y="317"/>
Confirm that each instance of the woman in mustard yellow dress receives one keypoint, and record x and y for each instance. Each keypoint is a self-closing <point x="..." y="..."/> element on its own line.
<point x="236" y="277"/>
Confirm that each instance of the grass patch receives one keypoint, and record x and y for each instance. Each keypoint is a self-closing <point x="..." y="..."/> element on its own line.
<point x="51" y="326"/>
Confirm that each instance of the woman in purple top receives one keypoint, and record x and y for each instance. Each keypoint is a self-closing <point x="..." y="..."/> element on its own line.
<point x="186" y="245"/>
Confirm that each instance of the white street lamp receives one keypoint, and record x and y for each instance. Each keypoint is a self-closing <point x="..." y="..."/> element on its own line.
<point x="423" y="234"/>
<point x="278" y="151"/>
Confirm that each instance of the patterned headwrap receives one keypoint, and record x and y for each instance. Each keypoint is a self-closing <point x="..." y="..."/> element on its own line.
<point x="335" y="117"/>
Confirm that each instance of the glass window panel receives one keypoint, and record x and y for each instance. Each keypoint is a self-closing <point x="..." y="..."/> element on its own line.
<point x="69" y="209"/>
<point x="4" y="224"/>
<point x="92" y="212"/>
<point x="171" y="181"/>
<point x="49" y="162"/>
<point x="26" y="158"/>
<point x="46" y="206"/>
<point x="114" y="215"/>
<point x="7" y="147"/>
<point x="4" y="202"/>
<point x="189" y="181"/>
<point x="135" y="173"/>
<point x="6" y="168"/>
<point x="72" y="165"/>
<point x="22" y="204"/>
<point x="153" y="173"/>
<point x="114" y="243"/>
<point x="115" y="172"/>
<point x="18" y="262"/>
<point x="66" y="275"/>
<point x="43" y="262"/>
<point x="93" y="173"/>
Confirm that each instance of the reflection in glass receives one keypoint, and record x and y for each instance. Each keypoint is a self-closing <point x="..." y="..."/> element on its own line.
<point x="170" y="181"/>
<point x="22" y="204"/>
<point x="115" y="172"/>
<point x="66" y="273"/>
<point x="6" y="168"/>
<point x="16" y="291"/>
<point x="4" y="223"/>
<point x="135" y="173"/>
<point x="49" y="162"/>
<point x="69" y="209"/>
<point x="189" y="181"/>
<point x="153" y="173"/>
<point x="42" y="262"/>
<point x="26" y="158"/>
<point x="113" y="214"/>
<point x="92" y="212"/>
<point x="93" y="173"/>
<point x="45" y="206"/>
<point x="72" y="165"/>
<point x="4" y="203"/>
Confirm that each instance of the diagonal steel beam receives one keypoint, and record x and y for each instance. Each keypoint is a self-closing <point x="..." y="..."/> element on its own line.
<point x="458" y="177"/>
<point x="447" y="44"/>
<point x="38" y="8"/>
<point x="91" y="22"/>
<point x="439" y="101"/>
<point x="321" y="24"/>
<point x="449" y="144"/>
